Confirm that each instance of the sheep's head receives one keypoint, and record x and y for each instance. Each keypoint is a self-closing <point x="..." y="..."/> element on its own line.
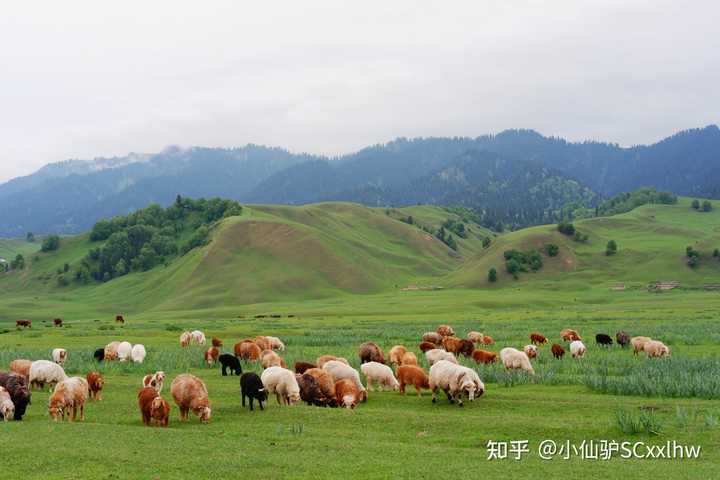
<point x="204" y="413"/>
<point x="349" y="401"/>
<point x="294" y="397"/>
<point x="8" y="410"/>
<point x="262" y="394"/>
<point x="55" y="410"/>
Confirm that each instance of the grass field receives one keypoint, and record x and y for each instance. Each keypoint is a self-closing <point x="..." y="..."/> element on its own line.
<point x="390" y="436"/>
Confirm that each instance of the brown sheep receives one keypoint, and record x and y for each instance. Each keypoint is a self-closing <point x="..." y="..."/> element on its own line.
<point x="21" y="367"/>
<point x="248" y="350"/>
<point x="396" y="354"/>
<point x="58" y="322"/>
<point x="268" y="358"/>
<point x="347" y="393"/>
<point x="96" y="382"/>
<point x="302" y="367"/>
<point x="310" y="391"/>
<point x="263" y="342"/>
<point x="570" y="335"/>
<point x="190" y="393"/>
<point x="323" y="359"/>
<point x="412" y="375"/>
<point x="484" y="356"/>
<point x="425" y="346"/>
<point x="371" y="352"/>
<point x="557" y="350"/>
<point x="488" y="340"/>
<point x="146" y="396"/>
<point x="538" y="339"/>
<point x="409" y="359"/>
<point x="160" y="411"/>
<point x="211" y="355"/>
<point x="23" y="323"/>
<point x="119" y="319"/>
<point x="216" y="342"/>
<point x="432" y="337"/>
<point x="326" y="383"/>
<point x="69" y="393"/>
<point x="457" y="346"/>
<point x="445" y="331"/>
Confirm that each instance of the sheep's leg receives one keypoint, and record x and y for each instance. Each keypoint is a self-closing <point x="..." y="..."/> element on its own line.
<point x="418" y="390"/>
<point x="224" y="370"/>
<point x="449" y="397"/>
<point x="251" y="404"/>
<point x="82" y="412"/>
<point x="243" y="401"/>
<point x="402" y="388"/>
<point x="434" y="395"/>
<point x="459" y="399"/>
<point x="261" y="405"/>
<point x="277" y="396"/>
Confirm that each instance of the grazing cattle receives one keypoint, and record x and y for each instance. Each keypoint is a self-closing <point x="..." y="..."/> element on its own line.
<point x="530" y="350"/>
<point x="23" y="323"/>
<point x="155" y="380"/>
<point x="185" y="339"/>
<point x="263" y="342"/>
<point x="455" y="380"/>
<point x="396" y="353"/>
<point x="248" y="350"/>
<point x="119" y="319"/>
<point x="138" y="353"/>
<point x="145" y="399"/>
<point x="124" y="351"/>
<point x="380" y="375"/>
<point x="412" y="375"/>
<point x="557" y="350"/>
<point x="211" y="356"/>
<point x="577" y="349"/>
<point x="488" y="340"/>
<point x="475" y="337"/>
<point x="425" y="346"/>
<point x="95" y="382"/>
<point x="59" y="355"/>
<point x="515" y="359"/>
<point x="322" y="360"/>
<point x="190" y="393"/>
<point x="570" y="335"/>
<point x="538" y="339"/>
<point x="282" y="383"/>
<point x="7" y="407"/>
<point x="409" y="359"/>
<point x="269" y="358"/>
<point x="371" y="352"/>
<point x="111" y="351"/>
<point x="301" y="367"/>
<point x="484" y="356"/>
<point x="347" y="394"/>
<point x="434" y="356"/>
<point x="445" y="331"/>
<point x="432" y="337"/>
<point x="603" y="339"/>
<point x="458" y="346"/>
<point x="310" y="391"/>
<point x="339" y="371"/>
<point x="230" y="362"/>
<point x="216" y="342"/>
<point x="638" y="343"/>
<point x="251" y="387"/>
<point x="43" y="371"/>
<point x="656" y="349"/>
<point x="326" y="383"/>
<point x="198" y="337"/>
<point x="21" y="367"/>
<point x="623" y="338"/>
<point x="17" y="387"/>
<point x="58" y="322"/>
<point x="71" y="393"/>
<point x="99" y="354"/>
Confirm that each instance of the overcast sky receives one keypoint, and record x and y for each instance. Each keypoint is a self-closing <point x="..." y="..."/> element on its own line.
<point x="84" y="79"/>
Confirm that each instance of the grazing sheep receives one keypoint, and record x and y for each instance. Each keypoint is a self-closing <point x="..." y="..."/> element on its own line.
<point x="196" y="336"/>
<point x="569" y="335"/>
<point x="310" y="390"/>
<point x="190" y="393"/>
<point x="138" y="353"/>
<point x="111" y="351"/>
<point x="488" y="340"/>
<point x="656" y="348"/>
<point x="17" y="387"/>
<point x="425" y="346"/>
<point x="145" y="398"/>
<point x="59" y="355"/>
<point x="455" y="380"/>
<point x="475" y="337"/>
<point x="185" y="338"/>
<point x="340" y="371"/>
<point x="396" y="353"/>
<point x="276" y="343"/>
<point x="251" y="386"/>
<point x="124" y="351"/>
<point x="326" y="383"/>
<point x="347" y="394"/>
<point x="301" y="367"/>
<point x="409" y="359"/>
<point x="412" y="375"/>
<point x="282" y="383"/>
<point x="577" y="349"/>
<point x="538" y="339"/>
<point x="263" y="342"/>
<point x="248" y="350"/>
<point x="531" y="351"/>
<point x="160" y="411"/>
<point x="557" y="350"/>
<point x="155" y="380"/>
<point x="512" y="358"/>
<point x="623" y="338"/>
<point x="119" y="319"/>
<point x="380" y="374"/>
<point x="432" y="337"/>
<point x="371" y="352"/>
<point x="638" y="343"/>
<point x="21" y="367"/>
<point x="216" y="342"/>
<point x="458" y="346"/>
<point x="603" y="339"/>
<point x="230" y="362"/>
<point x="58" y="322"/>
<point x="271" y="359"/>
<point x="95" y="382"/>
<point x="322" y="360"/>
<point x="70" y="393"/>
<point x="484" y="356"/>
<point x="438" y="354"/>
<point x="99" y="354"/>
<point x="7" y="407"/>
<point x="44" y="371"/>
<point x="445" y="331"/>
<point x="211" y="355"/>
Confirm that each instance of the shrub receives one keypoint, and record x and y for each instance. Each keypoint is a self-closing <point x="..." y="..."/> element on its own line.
<point x="566" y="228"/>
<point x="486" y="242"/>
<point x="552" y="250"/>
<point x="50" y="243"/>
<point x="492" y="275"/>
<point x="581" y="237"/>
<point x="693" y="257"/>
<point x="706" y="206"/>
<point x="696" y="204"/>
<point x="611" y="248"/>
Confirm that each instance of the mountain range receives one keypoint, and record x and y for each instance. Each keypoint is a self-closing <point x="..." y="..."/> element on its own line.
<point x="510" y="180"/>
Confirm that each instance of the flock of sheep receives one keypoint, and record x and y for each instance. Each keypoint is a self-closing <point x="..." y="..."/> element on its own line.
<point x="329" y="382"/>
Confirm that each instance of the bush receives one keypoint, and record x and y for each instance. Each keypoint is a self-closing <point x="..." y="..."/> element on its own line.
<point x="706" y="206"/>
<point x="581" y="237"/>
<point x="552" y="250"/>
<point x="50" y="243"/>
<point x="695" y="204"/>
<point x="486" y="242"/>
<point x="492" y="275"/>
<point x="566" y="228"/>
<point x="693" y="257"/>
<point x="611" y="248"/>
<point x="516" y="261"/>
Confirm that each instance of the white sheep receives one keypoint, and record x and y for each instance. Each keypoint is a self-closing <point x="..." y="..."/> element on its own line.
<point x="455" y="380"/>
<point x="656" y="348"/>
<point x="436" y="354"/>
<point x="155" y="380"/>
<point x="138" y="353"/>
<point x="339" y="370"/>
<point x="198" y="337"/>
<point x="59" y="355"/>
<point x="530" y="350"/>
<point x="638" y="343"/>
<point x="282" y="383"/>
<point x="380" y="374"/>
<point x="44" y="371"/>
<point x="513" y="358"/>
<point x="7" y="407"/>
<point x="185" y="338"/>
<point x="123" y="351"/>
<point x="577" y="349"/>
<point x="276" y="343"/>
<point x="111" y="350"/>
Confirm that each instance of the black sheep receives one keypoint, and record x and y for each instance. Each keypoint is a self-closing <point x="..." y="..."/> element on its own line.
<point x="231" y="362"/>
<point x="603" y="339"/>
<point x="17" y="387"/>
<point x="623" y="339"/>
<point x="252" y="387"/>
<point x="99" y="354"/>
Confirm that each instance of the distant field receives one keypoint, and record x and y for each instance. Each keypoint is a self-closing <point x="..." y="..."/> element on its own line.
<point x="11" y="247"/>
